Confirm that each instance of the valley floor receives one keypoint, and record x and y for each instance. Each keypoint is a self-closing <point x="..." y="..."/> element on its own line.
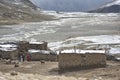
<point x="102" y="28"/>
<point x="49" y="71"/>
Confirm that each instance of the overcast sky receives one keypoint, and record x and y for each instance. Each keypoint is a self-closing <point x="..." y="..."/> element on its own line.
<point x="70" y="5"/>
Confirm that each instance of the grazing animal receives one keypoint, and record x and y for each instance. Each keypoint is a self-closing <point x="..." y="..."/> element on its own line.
<point x="1" y="59"/>
<point x="42" y="62"/>
<point x="8" y="61"/>
<point x="16" y="65"/>
<point x="14" y="62"/>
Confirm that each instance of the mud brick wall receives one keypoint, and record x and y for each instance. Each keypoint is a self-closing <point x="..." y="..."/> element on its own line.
<point x="81" y="61"/>
<point x="46" y="57"/>
<point x="42" y="46"/>
<point x="10" y="54"/>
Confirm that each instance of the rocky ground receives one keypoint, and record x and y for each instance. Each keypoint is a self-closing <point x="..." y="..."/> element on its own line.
<point x="19" y="11"/>
<point x="49" y="71"/>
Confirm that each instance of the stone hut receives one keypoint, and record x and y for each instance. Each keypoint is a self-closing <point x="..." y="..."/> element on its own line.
<point x="37" y="55"/>
<point x="73" y="61"/>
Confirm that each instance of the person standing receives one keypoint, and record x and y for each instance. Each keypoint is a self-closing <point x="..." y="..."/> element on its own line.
<point x="23" y="57"/>
<point x="28" y="57"/>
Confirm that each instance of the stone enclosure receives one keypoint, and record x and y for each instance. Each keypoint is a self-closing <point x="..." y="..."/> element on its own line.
<point x="74" y="61"/>
<point x="13" y="55"/>
<point x="21" y="47"/>
<point x="46" y="57"/>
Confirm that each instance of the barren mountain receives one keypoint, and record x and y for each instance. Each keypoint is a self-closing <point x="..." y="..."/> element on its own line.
<point x="15" y="11"/>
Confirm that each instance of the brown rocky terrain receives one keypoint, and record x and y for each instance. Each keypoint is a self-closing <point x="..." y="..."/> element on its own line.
<point x="49" y="71"/>
<point x="17" y="11"/>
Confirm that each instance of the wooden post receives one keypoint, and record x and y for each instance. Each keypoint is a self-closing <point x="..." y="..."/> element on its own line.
<point x="74" y="49"/>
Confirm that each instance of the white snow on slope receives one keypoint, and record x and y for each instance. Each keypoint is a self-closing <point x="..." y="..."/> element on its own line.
<point x="93" y="40"/>
<point x="102" y="39"/>
<point x="26" y="30"/>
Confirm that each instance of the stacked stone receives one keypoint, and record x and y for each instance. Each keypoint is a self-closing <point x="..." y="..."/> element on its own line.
<point x="9" y="54"/>
<point x="23" y="47"/>
<point x="39" y="46"/>
<point x="46" y="57"/>
<point x="72" y="61"/>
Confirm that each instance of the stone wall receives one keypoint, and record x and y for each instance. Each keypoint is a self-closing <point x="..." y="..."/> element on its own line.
<point x="0" y="53"/>
<point x="23" y="46"/>
<point x="46" y="57"/>
<point x="81" y="61"/>
<point x="9" y="54"/>
<point x="42" y="46"/>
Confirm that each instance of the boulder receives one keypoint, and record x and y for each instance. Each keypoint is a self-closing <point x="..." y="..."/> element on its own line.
<point x="13" y="73"/>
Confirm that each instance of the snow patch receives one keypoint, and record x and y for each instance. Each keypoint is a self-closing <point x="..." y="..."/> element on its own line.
<point x="39" y="51"/>
<point x="8" y="47"/>
<point x="114" y="51"/>
<point x="36" y="42"/>
<point x="83" y="51"/>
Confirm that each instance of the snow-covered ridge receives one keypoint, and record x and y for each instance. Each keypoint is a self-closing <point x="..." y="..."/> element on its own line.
<point x="111" y="7"/>
<point x="116" y="2"/>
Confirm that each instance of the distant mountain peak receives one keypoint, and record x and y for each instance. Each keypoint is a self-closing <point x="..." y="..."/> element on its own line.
<point x="116" y="2"/>
<point x="113" y="7"/>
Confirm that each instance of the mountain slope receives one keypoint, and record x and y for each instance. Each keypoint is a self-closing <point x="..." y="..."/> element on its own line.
<point x="15" y="11"/>
<point x="113" y="7"/>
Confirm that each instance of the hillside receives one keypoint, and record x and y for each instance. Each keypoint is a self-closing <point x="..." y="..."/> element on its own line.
<point x="16" y="11"/>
